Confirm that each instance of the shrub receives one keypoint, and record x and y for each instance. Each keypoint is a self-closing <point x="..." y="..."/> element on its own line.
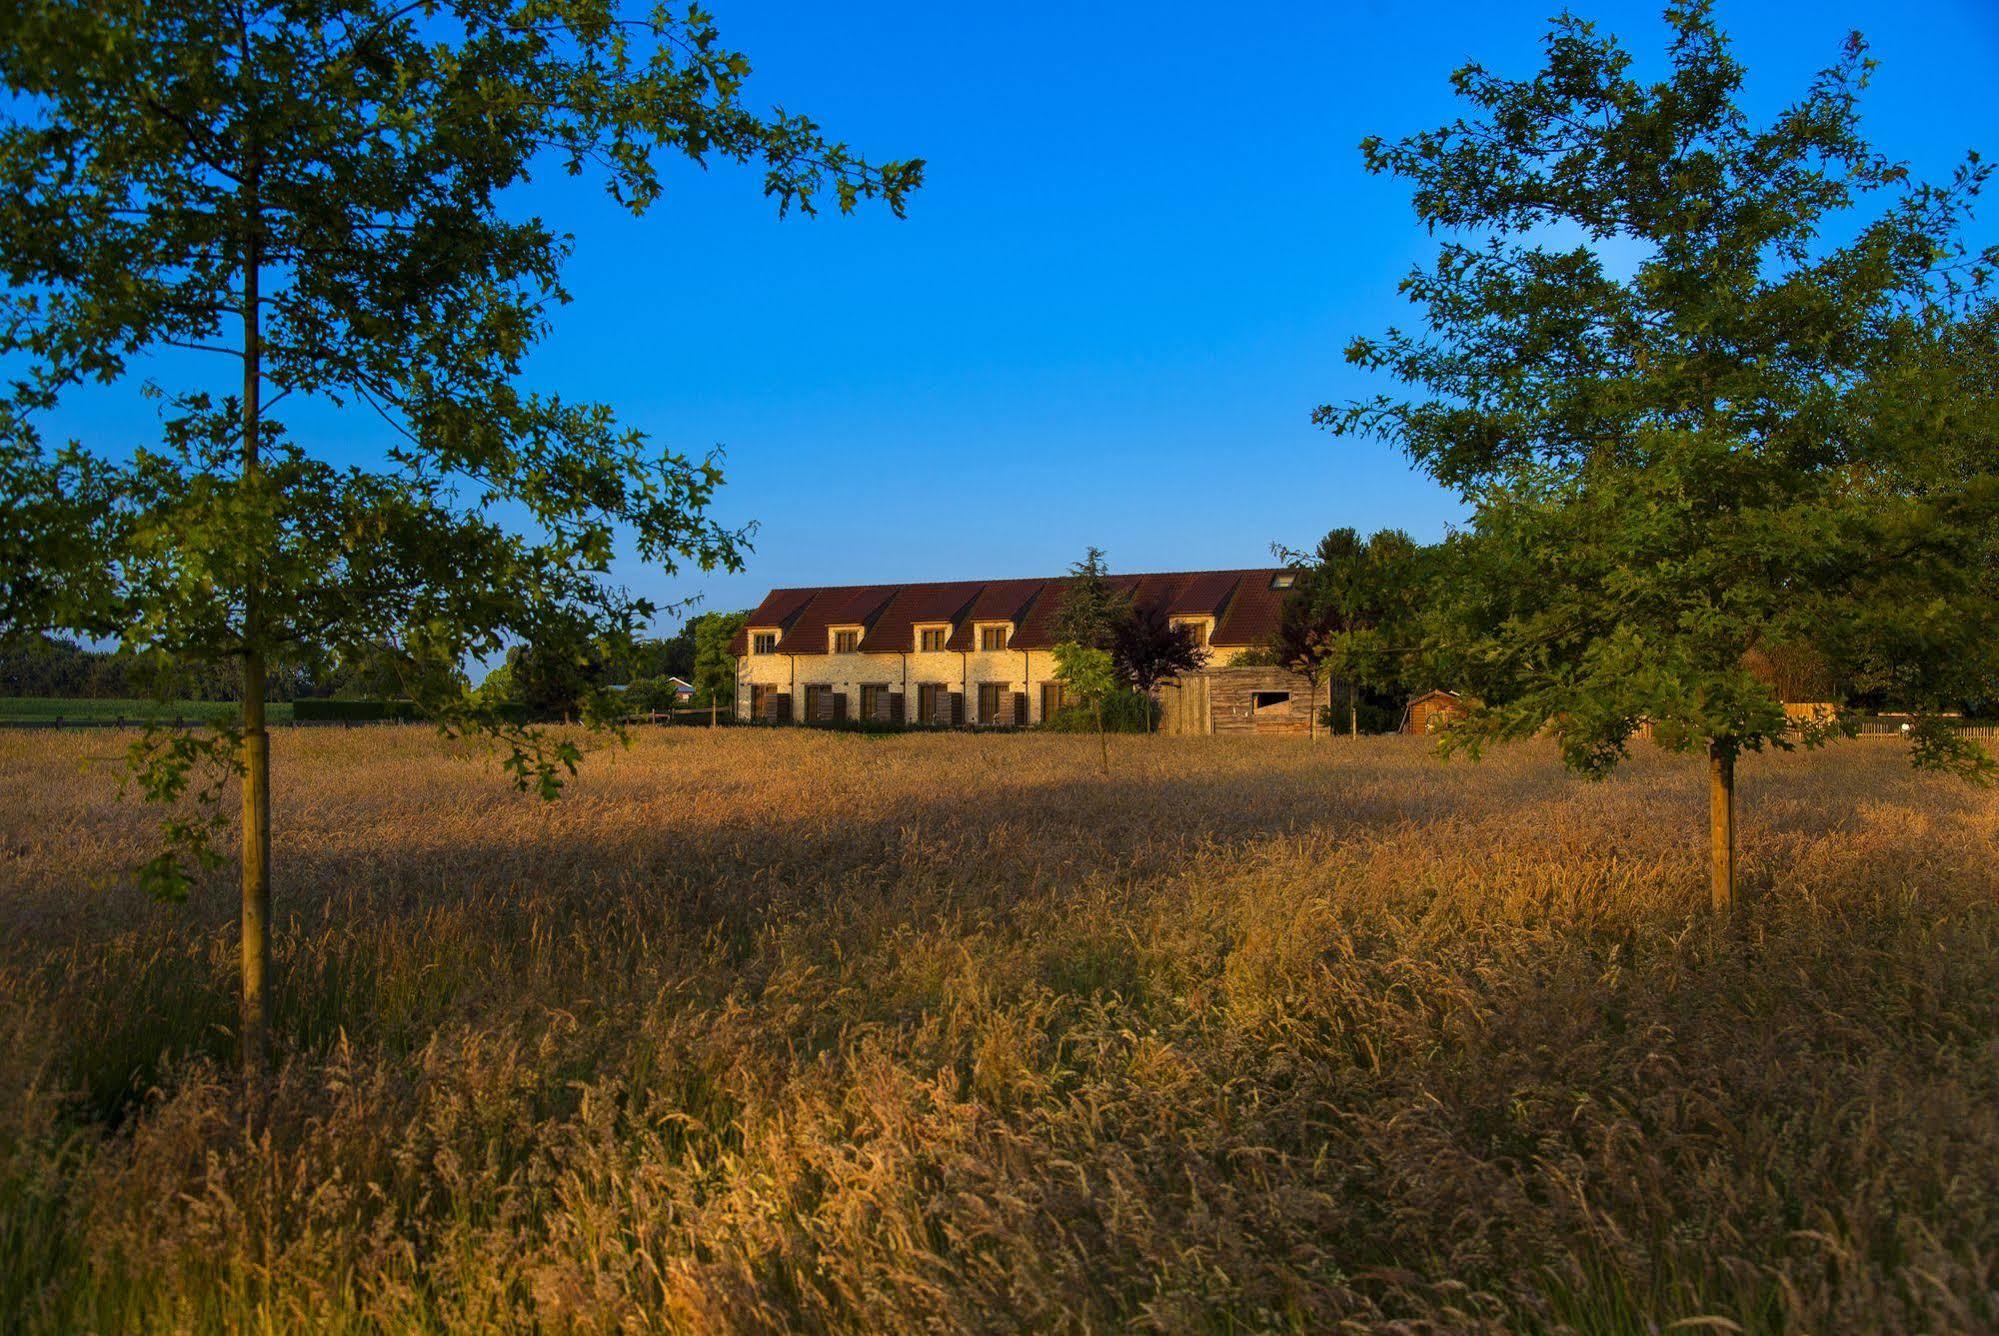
<point x="1124" y="712"/>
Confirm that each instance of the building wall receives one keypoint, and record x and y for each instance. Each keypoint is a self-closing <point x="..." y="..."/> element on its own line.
<point x="1015" y="670"/>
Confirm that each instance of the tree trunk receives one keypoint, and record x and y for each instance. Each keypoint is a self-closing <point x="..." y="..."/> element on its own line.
<point x="1721" y="825"/>
<point x="1103" y="738"/>
<point x="256" y="868"/>
<point x="256" y="738"/>
<point x="1353" y="711"/>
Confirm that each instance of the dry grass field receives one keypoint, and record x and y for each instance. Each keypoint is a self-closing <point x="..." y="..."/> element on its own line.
<point x="802" y="1031"/>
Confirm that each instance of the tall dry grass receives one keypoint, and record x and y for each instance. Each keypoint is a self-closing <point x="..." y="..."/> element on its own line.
<point x="801" y="1031"/>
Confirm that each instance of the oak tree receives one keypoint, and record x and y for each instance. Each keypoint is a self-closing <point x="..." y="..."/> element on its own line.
<point x="1687" y="369"/>
<point x="322" y="195"/>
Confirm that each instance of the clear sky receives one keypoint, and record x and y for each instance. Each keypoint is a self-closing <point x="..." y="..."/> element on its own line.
<point x="1145" y="239"/>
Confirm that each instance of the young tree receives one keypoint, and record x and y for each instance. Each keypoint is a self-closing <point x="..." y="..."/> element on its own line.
<point x="316" y="191"/>
<point x="1085" y="626"/>
<point x="1092" y="677"/>
<point x="1146" y="649"/>
<point x="1706" y="445"/>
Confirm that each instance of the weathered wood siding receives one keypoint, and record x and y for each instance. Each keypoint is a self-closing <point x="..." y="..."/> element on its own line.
<point x="1241" y="700"/>
<point x="1430" y="710"/>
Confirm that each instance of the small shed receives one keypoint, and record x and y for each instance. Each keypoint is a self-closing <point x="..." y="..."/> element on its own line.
<point x="1431" y="711"/>
<point x="1247" y="699"/>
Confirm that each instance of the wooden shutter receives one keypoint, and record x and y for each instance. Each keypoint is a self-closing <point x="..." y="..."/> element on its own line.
<point x="1051" y="700"/>
<point x="1020" y="709"/>
<point x="958" y="708"/>
<point x="839" y="707"/>
<point x="896" y="707"/>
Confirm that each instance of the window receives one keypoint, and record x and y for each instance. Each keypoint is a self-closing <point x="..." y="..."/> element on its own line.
<point x="932" y="705"/>
<point x="1265" y="702"/>
<point x="1051" y="700"/>
<point x="1196" y="627"/>
<point x="874" y="702"/>
<point x="990" y="696"/>
<point x="764" y="642"/>
<point x="992" y="637"/>
<point x="846" y="642"/>
<point x="930" y="640"/>
<point x="1283" y="579"/>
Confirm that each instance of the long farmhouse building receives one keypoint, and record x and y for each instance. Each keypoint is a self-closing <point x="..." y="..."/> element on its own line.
<point x="981" y="652"/>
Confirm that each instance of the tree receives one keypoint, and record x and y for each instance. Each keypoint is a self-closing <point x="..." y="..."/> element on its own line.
<point x="1091" y="676"/>
<point x="1352" y="612"/>
<point x="1708" y="445"/>
<point x="714" y="665"/>
<point x="1146" y="649"/>
<point x="1085" y="625"/>
<point x="316" y="192"/>
<point x="1092" y="607"/>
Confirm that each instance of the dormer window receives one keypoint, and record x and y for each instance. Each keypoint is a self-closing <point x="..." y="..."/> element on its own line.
<point x="931" y="639"/>
<point x="763" y="642"/>
<point x="846" y="640"/>
<point x="993" y="637"/>
<point x="1196" y="627"/>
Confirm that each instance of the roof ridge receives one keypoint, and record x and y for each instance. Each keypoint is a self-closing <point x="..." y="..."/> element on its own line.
<point x="1020" y="579"/>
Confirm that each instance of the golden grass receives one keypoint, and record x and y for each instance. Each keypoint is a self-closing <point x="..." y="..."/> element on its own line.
<point x="759" y="1031"/>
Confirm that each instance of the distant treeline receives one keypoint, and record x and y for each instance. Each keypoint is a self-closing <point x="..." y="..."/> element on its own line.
<point x="549" y="681"/>
<point x="45" y="666"/>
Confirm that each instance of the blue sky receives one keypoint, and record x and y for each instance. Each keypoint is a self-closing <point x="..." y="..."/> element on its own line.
<point x="1145" y="240"/>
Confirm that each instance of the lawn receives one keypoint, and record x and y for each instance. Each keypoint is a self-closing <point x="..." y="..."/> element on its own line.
<point x="48" y="709"/>
<point x="761" y="1030"/>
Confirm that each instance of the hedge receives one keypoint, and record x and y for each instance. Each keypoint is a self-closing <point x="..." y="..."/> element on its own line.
<point x="312" y="710"/>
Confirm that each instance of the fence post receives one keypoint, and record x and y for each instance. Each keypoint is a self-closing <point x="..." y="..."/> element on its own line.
<point x="711" y="711"/>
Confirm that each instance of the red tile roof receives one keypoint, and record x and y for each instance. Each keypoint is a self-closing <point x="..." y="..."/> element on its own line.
<point x="1243" y="603"/>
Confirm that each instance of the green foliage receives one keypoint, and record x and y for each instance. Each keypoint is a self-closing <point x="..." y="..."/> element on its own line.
<point x="1124" y="711"/>
<point x="1356" y="614"/>
<point x="345" y="710"/>
<point x="1090" y="675"/>
<point x="344" y="176"/>
<point x="714" y="675"/>
<point x="1740" y="442"/>
<point x="1092" y="607"/>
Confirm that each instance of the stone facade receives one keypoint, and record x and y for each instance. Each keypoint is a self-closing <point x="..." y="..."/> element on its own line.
<point x="861" y="646"/>
<point x="1015" y="671"/>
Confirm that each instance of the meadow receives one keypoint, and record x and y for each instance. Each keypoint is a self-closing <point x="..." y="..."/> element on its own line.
<point x="758" y="1031"/>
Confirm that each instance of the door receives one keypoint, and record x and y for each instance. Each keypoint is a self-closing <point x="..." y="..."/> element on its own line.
<point x="989" y="702"/>
<point x="1051" y="700"/>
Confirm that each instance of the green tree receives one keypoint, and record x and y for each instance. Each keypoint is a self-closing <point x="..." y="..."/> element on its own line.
<point x="1708" y="445"/>
<point x="1085" y="626"/>
<point x="1091" y="676"/>
<point x="714" y="664"/>
<point x="1092" y="607"/>
<point x="1352" y="615"/>
<point x="317" y="192"/>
